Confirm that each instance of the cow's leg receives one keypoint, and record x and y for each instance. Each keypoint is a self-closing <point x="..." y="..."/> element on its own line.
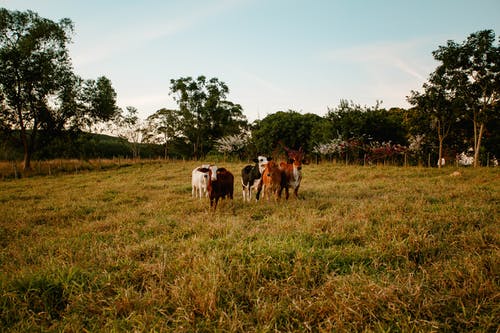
<point x="296" y="191"/>
<point x="259" y="189"/>
<point x="248" y="192"/>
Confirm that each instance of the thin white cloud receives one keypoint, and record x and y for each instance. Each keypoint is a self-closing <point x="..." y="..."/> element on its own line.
<point x="129" y="36"/>
<point x="262" y="84"/>
<point x="142" y="100"/>
<point x="403" y="56"/>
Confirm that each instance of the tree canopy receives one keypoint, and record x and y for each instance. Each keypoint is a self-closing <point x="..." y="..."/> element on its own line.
<point x="469" y="73"/>
<point x="205" y="114"/>
<point x="38" y="89"/>
<point x="290" y="127"/>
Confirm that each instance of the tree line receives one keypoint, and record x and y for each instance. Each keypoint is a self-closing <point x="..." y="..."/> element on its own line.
<point x="47" y="111"/>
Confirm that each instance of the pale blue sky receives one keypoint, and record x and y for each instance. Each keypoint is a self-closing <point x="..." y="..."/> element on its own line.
<point x="273" y="54"/>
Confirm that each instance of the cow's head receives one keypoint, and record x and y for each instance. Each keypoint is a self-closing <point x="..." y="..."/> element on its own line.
<point x="295" y="157"/>
<point x="268" y="167"/>
<point x="213" y="172"/>
<point x="261" y="162"/>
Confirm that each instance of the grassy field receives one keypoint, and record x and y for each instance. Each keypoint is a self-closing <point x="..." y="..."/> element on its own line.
<point x="363" y="249"/>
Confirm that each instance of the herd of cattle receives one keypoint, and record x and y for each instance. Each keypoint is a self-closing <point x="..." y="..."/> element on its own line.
<point x="265" y="176"/>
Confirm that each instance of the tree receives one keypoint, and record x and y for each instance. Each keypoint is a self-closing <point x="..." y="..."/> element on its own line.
<point x="471" y="70"/>
<point x="38" y="90"/>
<point x="232" y="144"/>
<point x="352" y="121"/>
<point x="292" y="128"/>
<point x="33" y="56"/>
<point x="162" y="127"/>
<point x="130" y="128"/>
<point x="204" y="113"/>
<point x="440" y="106"/>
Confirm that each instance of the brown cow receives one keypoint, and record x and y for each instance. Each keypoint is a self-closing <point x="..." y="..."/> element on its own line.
<point x="273" y="181"/>
<point x="293" y="170"/>
<point x="220" y="185"/>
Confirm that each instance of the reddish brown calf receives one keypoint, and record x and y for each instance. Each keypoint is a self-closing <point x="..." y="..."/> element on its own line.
<point x="220" y="185"/>
<point x="273" y="181"/>
<point x="293" y="170"/>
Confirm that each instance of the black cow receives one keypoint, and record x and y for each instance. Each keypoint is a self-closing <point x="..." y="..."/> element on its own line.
<point x="251" y="175"/>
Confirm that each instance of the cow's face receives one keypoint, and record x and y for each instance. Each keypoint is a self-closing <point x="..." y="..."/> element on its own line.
<point x="262" y="161"/>
<point x="268" y="168"/>
<point x="213" y="172"/>
<point x="296" y="157"/>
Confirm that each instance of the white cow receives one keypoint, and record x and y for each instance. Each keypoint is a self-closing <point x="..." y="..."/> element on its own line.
<point x="199" y="181"/>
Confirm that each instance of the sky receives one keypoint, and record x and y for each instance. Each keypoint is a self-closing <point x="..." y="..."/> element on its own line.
<point x="274" y="55"/>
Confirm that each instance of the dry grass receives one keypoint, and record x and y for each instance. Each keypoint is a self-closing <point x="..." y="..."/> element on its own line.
<point x="365" y="249"/>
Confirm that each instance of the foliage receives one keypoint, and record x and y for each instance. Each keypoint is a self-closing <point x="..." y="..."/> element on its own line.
<point x="292" y="128"/>
<point x="205" y="114"/>
<point x="470" y="72"/>
<point x="368" y="249"/>
<point x="440" y="106"/>
<point x="371" y="152"/>
<point x="38" y="90"/>
<point x="354" y="122"/>
<point x="131" y="129"/>
<point x="163" y="127"/>
<point x="231" y="144"/>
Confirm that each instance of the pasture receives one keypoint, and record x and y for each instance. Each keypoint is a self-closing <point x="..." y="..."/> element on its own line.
<point x="363" y="249"/>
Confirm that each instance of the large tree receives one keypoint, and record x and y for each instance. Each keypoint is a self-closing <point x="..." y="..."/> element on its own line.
<point x="291" y="128"/>
<point x="440" y="107"/>
<point x="353" y="121"/>
<point x="471" y="70"/>
<point x="38" y="89"/>
<point x="205" y="114"/>
<point x="162" y="127"/>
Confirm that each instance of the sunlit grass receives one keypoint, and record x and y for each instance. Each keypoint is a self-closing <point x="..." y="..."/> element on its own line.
<point x="364" y="248"/>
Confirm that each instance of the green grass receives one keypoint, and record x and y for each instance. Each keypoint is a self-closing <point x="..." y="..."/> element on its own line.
<point x="364" y="249"/>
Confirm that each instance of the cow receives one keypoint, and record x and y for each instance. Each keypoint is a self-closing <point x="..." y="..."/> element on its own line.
<point x="251" y="175"/>
<point x="199" y="181"/>
<point x="220" y="184"/>
<point x="293" y="170"/>
<point x="273" y="181"/>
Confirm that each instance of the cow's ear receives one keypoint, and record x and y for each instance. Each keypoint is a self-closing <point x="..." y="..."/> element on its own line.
<point x="256" y="160"/>
<point x="269" y="158"/>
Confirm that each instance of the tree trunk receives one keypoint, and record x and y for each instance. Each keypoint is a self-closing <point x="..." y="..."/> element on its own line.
<point x="26" y="144"/>
<point x="477" y="143"/>
<point x="441" y="139"/>
<point x="440" y="158"/>
<point x="27" y="159"/>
